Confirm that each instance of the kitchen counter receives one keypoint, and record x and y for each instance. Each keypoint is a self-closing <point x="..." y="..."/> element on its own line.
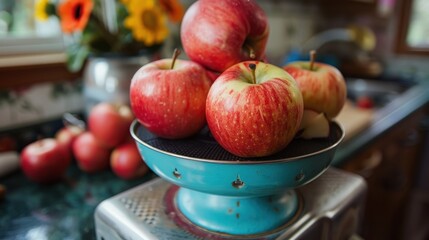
<point x="384" y="119"/>
<point x="59" y="211"/>
<point x="65" y="210"/>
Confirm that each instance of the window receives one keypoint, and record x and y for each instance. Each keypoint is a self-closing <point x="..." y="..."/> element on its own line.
<point x="413" y="34"/>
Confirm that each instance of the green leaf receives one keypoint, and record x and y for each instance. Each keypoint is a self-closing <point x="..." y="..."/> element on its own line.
<point x="76" y="56"/>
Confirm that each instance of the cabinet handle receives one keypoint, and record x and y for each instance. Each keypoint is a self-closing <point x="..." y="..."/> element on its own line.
<point x="368" y="165"/>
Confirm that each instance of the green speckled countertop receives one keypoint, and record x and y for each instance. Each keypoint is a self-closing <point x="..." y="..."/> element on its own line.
<point x="63" y="210"/>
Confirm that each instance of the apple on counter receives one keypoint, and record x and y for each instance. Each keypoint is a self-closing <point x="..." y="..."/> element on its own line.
<point x="168" y="97"/>
<point x="110" y="123"/>
<point x="105" y="144"/>
<point x="66" y="137"/>
<point x="254" y="109"/>
<point x="218" y="34"/>
<point x="126" y="161"/>
<point x="90" y="154"/>
<point x="44" y="161"/>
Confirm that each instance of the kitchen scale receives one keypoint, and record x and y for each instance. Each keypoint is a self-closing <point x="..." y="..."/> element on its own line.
<point x="206" y="192"/>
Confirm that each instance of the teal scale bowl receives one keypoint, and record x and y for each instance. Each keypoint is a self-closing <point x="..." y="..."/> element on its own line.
<point x="227" y="194"/>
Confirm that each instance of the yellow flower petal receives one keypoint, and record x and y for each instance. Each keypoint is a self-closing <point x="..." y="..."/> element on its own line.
<point x="146" y="21"/>
<point x="40" y="10"/>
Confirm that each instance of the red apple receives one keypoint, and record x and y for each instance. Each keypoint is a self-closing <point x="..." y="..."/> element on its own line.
<point x="66" y="136"/>
<point x="110" y="123"/>
<point x="254" y="113"/>
<point x="90" y="154"/>
<point x="322" y="86"/>
<point x="126" y="161"/>
<point x="212" y="75"/>
<point x="218" y="34"/>
<point x="168" y="97"/>
<point x="44" y="161"/>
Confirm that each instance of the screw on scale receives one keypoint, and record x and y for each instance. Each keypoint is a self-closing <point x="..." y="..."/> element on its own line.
<point x="237" y="183"/>
<point x="177" y="174"/>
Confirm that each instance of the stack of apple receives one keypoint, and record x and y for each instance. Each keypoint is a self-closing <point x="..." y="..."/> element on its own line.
<point x="105" y="144"/>
<point x="108" y="142"/>
<point x="251" y="107"/>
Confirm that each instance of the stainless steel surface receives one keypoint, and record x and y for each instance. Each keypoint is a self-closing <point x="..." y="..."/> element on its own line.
<point x="108" y="78"/>
<point x="333" y="206"/>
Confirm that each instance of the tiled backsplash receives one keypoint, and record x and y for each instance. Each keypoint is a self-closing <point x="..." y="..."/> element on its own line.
<point x="38" y="103"/>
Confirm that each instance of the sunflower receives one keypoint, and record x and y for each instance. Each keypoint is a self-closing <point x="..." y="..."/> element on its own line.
<point x="74" y="14"/>
<point x="43" y="10"/>
<point x="146" y="21"/>
<point x="174" y="9"/>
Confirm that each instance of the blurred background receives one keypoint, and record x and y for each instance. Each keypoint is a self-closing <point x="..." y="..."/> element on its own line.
<point x="380" y="46"/>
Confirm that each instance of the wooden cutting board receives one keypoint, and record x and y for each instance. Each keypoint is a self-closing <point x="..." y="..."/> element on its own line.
<point x="354" y="120"/>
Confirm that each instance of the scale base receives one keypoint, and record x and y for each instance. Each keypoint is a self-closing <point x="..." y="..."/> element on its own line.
<point x="332" y="209"/>
<point x="203" y="213"/>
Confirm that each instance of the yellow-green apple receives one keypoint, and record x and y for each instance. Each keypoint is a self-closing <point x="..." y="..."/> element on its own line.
<point x="110" y="123"/>
<point x="254" y="109"/>
<point x="313" y="125"/>
<point x="322" y="86"/>
<point x="44" y="161"/>
<point x="91" y="155"/>
<point x="168" y="97"/>
<point x="218" y="34"/>
<point x="126" y="162"/>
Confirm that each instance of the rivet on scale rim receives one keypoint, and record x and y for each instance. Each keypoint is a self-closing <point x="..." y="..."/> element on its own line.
<point x="300" y="176"/>
<point x="237" y="183"/>
<point x="177" y="174"/>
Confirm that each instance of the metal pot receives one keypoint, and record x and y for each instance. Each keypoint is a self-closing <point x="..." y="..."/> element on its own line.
<point x="107" y="79"/>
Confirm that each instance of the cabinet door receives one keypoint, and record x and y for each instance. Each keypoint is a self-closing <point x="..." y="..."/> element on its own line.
<point x="389" y="169"/>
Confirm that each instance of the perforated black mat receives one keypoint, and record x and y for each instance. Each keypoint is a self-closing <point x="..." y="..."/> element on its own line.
<point x="204" y="146"/>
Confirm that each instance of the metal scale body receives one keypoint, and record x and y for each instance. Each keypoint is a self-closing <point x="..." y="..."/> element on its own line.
<point x="207" y="193"/>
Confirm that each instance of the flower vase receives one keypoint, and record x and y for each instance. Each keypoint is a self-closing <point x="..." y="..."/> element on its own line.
<point x="108" y="78"/>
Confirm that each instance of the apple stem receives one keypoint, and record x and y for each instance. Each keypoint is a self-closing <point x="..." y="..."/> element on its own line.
<point x="252" y="67"/>
<point x="312" y="59"/>
<point x="175" y="55"/>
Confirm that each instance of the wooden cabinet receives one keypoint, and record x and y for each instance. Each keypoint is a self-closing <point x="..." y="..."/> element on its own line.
<point x="389" y="166"/>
